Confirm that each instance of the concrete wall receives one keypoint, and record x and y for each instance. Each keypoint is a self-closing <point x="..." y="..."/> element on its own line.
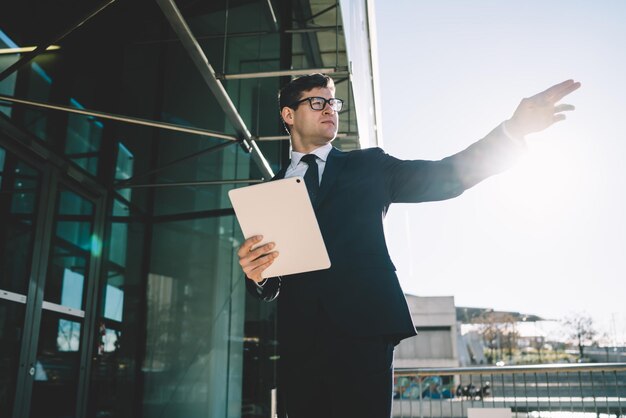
<point x="436" y="343"/>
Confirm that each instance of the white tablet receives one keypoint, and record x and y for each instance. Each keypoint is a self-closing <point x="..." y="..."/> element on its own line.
<point x="281" y="211"/>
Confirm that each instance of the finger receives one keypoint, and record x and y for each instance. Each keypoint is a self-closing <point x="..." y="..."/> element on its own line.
<point x="259" y="270"/>
<point x="557" y="87"/>
<point x="563" y="108"/>
<point x="253" y="265"/>
<point x="558" y="91"/>
<point x="565" y="90"/>
<point x="258" y="252"/>
<point x="247" y="244"/>
<point x="558" y="117"/>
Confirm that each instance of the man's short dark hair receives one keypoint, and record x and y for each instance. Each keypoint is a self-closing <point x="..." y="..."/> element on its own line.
<point x="292" y="92"/>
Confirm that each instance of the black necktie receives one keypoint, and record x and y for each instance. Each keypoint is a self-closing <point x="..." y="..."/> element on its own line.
<point x="311" y="177"/>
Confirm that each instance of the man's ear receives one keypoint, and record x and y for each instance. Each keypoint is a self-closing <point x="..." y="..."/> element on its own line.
<point x="287" y="115"/>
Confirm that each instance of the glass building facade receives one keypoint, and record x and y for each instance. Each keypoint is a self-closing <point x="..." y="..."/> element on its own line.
<point x="120" y="289"/>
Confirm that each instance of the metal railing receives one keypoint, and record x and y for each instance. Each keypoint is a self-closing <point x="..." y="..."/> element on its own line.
<point x="546" y="391"/>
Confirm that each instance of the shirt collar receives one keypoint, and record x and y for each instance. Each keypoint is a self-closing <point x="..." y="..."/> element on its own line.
<point x="321" y="153"/>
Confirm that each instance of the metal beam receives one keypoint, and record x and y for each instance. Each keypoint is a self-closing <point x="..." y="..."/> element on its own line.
<point x="286" y="137"/>
<point x="123" y="184"/>
<point x="241" y="34"/>
<point x="26" y="58"/>
<point x="271" y="14"/>
<point x="326" y="10"/>
<point x="198" y="57"/>
<point x="315" y="29"/>
<point x="310" y="43"/>
<point x="121" y="118"/>
<point x="189" y="183"/>
<point x="282" y="73"/>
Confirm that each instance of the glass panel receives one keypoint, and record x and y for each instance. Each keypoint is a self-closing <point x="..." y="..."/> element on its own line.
<point x="39" y="86"/>
<point x="58" y="353"/>
<point x="260" y="354"/>
<point x="195" y="301"/>
<point x="70" y="251"/>
<point x="84" y="135"/>
<point x="124" y="168"/>
<point x="11" y="327"/>
<point x="113" y="386"/>
<point x="19" y="188"/>
<point x="7" y="86"/>
<point x="57" y="367"/>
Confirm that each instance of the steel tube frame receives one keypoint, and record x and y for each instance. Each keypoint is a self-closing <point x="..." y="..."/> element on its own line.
<point x="201" y="62"/>
<point x="286" y="137"/>
<point x="123" y="184"/>
<point x="281" y="73"/>
<point x="242" y="34"/>
<point x="316" y="29"/>
<point x="120" y="118"/>
<point x="540" y="368"/>
<point x="189" y="183"/>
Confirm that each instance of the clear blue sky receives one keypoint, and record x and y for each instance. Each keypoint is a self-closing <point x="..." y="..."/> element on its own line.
<point x="549" y="236"/>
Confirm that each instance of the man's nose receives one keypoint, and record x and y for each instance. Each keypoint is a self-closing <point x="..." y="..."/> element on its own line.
<point x="328" y="108"/>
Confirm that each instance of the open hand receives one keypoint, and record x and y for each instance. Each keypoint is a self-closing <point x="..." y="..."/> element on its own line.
<point x="538" y="112"/>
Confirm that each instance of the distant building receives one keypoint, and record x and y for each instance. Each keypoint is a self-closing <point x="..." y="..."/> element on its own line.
<point x="436" y="342"/>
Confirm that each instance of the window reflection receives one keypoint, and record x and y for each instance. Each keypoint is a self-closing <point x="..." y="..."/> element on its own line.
<point x="57" y="367"/>
<point x="68" y="337"/>
<point x="7" y="86"/>
<point x="111" y="340"/>
<point x="72" y="293"/>
<point x="2" y="158"/>
<point x="124" y="168"/>
<point x="83" y="139"/>
<point x="114" y="302"/>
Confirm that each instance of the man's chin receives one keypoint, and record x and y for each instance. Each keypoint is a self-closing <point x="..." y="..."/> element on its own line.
<point x="330" y="136"/>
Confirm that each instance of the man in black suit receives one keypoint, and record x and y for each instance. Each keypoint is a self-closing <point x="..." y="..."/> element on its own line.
<point x="337" y="328"/>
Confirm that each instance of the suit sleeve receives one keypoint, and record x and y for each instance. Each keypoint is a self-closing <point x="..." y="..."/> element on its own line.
<point x="268" y="292"/>
<point x="411" y="181"/>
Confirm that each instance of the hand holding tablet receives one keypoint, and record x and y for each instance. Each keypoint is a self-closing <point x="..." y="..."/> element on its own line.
<point x="282" y="213"/>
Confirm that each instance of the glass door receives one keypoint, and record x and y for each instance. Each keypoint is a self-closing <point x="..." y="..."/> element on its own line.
<point x="62" y="324"/>
<point x="50" y="243"/>
<point x="19" y="192"/>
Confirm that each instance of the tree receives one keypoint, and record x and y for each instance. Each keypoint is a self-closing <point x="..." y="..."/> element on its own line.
<point x="499" y="333"/>
<point x="580" y="329"/>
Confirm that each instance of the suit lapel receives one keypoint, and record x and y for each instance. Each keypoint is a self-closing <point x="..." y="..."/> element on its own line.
<point x="334" y="164"/>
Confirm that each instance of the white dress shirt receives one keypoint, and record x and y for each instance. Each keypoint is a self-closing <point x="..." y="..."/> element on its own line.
<point x="298" y="167"/>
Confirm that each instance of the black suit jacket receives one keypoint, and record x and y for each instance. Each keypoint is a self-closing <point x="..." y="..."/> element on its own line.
<point x="360" y="292"/>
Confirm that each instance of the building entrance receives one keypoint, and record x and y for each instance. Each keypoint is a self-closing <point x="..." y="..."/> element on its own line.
<point x="49" y="247"/>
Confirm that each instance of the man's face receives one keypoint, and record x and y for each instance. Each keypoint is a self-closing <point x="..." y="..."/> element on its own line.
<point x="313" y="128"/>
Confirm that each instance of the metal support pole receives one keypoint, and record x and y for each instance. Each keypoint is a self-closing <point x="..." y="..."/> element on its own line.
<point x="282" y="73"/>
<point x="120" y="118"/>
<point x="188" y="183"/>
<point x="198" y="57"/>
<point x="125" y="183"/>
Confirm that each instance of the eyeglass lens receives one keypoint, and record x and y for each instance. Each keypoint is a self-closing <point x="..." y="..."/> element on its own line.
<point x="318" y="103"/>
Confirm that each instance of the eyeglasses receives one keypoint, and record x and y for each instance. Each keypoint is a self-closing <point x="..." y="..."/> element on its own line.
<point x="319" y="103"/>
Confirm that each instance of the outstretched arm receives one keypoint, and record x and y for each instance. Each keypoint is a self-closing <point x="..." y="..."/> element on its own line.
<point x="419" y="181"/>
<point x="540" y="111"/>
